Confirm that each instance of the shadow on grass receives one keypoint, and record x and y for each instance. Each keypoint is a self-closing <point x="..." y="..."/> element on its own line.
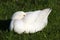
<point x="4" y="25"/>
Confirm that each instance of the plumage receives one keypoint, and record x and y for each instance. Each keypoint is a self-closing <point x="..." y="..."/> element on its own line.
<point x="32" y="22"/>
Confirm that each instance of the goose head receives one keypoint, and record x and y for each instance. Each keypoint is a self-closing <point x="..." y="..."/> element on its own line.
<point x="18" y="15"/>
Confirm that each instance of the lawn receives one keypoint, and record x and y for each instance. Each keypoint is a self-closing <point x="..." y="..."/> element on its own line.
<point x="50" y="32"/>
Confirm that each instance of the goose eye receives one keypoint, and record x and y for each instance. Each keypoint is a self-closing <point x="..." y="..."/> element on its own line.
<point x="23" y="15"/>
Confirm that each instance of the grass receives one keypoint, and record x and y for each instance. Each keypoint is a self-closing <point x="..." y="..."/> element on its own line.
<point x="50" y="32"/>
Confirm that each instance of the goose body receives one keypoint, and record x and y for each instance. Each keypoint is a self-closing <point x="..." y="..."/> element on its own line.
<point x="32" y="22"/>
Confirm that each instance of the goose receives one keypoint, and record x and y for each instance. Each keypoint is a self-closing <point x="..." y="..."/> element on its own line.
<point x="29" y="22"/>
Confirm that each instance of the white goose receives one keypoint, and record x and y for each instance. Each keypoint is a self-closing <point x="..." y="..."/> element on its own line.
<point x="29" y="22"/>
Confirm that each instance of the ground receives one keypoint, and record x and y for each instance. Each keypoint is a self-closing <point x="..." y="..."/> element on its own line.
<point x="50" y="32"/>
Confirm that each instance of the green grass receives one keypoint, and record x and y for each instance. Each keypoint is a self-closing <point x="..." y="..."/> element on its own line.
<point x="50" y="32"/>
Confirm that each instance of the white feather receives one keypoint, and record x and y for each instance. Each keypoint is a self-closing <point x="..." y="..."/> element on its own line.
<point x="32" y="22"/>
